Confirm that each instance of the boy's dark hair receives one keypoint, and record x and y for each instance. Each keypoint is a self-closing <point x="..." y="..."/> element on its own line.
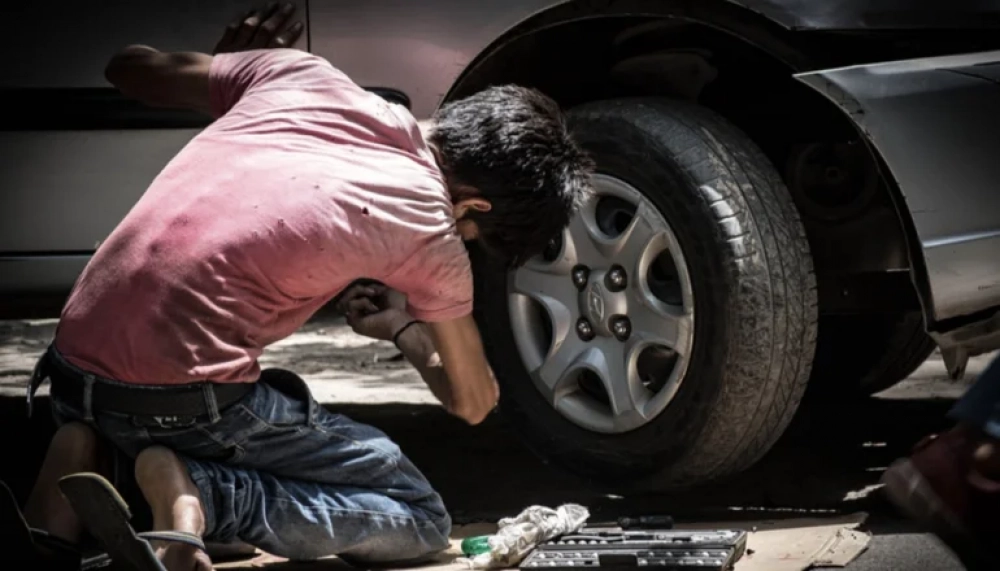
<point x="511" y="144"/>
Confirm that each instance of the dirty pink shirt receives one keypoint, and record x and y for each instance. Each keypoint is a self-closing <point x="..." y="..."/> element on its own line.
<point x="304" y="183"/>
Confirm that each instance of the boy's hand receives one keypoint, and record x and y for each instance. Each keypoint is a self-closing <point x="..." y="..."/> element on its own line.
<point x="374" y="311"/>
<point x="261" y="29"/>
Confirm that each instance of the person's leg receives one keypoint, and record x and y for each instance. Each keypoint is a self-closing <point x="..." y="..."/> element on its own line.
<point x="289" y="518"/>
<point x="301" y="482"/>
<point x="305" y="520"/>
<point x="74" y="448"/>
<point x="164" y="481"/>
<point x="951" y="482"/>
<point x="54" y="529"/>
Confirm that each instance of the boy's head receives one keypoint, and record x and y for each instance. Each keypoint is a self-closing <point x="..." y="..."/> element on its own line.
<point x="514" y="173"/>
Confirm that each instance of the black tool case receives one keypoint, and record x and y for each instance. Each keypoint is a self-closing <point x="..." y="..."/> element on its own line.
<point x="610" y="548"/>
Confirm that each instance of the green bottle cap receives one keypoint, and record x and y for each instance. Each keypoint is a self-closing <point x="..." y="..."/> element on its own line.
<point x="476" y="545"/>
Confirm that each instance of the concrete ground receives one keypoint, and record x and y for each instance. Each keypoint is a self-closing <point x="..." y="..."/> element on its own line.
<point x="828" y="463"/>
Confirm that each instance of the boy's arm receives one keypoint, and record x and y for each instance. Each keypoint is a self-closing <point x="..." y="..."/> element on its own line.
<point x="180" y="80"/>
<point x="473" y="389"/>
<point x="176" y="80"/>
<point x="448" y="355"/>
<point x="417" y="346"/>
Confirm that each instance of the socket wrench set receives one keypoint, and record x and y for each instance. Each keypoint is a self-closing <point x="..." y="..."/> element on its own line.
<point x="662" y="550"/>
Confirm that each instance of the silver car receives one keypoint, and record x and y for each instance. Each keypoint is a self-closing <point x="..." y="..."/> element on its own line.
<point x="792" y="194"/>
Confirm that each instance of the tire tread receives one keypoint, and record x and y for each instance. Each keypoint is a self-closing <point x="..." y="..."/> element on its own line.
<point x="788" y="261"/>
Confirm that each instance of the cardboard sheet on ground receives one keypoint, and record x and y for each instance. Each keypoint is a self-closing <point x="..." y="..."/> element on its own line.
<point x="776" y="545"/>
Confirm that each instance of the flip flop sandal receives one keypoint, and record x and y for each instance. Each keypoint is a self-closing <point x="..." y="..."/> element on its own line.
<point x="35" y="546"/>
<point x="106" y="516"/>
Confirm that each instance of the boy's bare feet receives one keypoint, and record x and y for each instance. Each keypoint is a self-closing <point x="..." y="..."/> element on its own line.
<point x="176" y="505"/>
<point x="74" y="448"/>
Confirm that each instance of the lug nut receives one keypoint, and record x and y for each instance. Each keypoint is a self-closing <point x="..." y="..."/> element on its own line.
<point x="621" y="327"/>
<point x="616" y="279"/>
<point x="580" y="276"/>
<point x="584" y="329"/>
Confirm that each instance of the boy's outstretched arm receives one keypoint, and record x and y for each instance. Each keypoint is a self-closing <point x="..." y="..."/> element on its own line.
<point x="176" y="80"/>
<point x="180" y="80"/>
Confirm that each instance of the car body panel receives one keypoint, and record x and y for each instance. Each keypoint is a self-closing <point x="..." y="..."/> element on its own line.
<point x="65" y="187"/>
<point x="878" y="14"/>
<point x="85" y="189"/>
<point x="935" y="123"/>
<point x="41" y="276"/>
<point x="421" y="49"/>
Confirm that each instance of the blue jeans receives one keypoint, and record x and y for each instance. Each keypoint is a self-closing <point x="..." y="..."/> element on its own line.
<point x="980" y="405"/>
<point x="280" y="472"/>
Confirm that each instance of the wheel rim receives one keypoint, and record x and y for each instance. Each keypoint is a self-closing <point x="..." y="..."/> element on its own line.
<point x="604" y="321"/>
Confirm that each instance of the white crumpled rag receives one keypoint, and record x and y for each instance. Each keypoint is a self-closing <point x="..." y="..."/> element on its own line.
<point x="517" y="536"/>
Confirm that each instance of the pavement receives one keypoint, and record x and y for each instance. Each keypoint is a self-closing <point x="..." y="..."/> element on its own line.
<point x="828" y="464"/>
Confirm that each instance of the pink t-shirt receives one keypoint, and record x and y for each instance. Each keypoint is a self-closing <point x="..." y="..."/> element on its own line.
<point x="304" y="183"/>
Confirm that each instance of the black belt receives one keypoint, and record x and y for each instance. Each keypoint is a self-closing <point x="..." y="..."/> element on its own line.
<point x="188" y="400"/>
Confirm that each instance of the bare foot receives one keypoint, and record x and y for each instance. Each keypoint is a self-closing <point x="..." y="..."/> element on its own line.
<point x="74" y="448"/>
<point x="176" y="506"/>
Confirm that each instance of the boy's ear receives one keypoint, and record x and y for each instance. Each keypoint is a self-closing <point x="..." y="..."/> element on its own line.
<point x="465" y="205"/>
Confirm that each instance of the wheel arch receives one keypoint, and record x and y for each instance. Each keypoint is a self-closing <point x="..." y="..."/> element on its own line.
<point x="565" y="30"/>
<point x="752" y="27"/>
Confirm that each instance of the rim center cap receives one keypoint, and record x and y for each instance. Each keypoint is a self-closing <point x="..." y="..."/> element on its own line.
<point x="599" y="305"/>
<point x="595" y="302"/>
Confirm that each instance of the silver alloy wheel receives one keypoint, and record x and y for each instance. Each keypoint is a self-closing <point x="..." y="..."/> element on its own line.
<point x="613" y="342"/>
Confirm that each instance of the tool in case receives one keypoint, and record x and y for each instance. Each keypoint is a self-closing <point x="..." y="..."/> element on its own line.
<point x="616" y="548"/>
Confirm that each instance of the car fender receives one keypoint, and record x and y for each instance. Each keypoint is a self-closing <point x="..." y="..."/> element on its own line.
<point x="935" y="124"/>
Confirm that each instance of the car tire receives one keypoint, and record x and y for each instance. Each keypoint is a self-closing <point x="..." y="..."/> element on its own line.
<point x="755" y="309"/>
<point x="861" y="355"/>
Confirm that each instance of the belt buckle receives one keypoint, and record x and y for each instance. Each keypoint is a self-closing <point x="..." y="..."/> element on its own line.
<point x="166" y="421"/>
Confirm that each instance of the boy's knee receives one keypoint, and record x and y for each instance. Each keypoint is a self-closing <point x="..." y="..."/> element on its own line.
<point x="433" y="533"/>
<point x="407" y="549"/>
<point x="437" y="514"/>
<point x="443" y="526"/>
<point x="429" y="539"/>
